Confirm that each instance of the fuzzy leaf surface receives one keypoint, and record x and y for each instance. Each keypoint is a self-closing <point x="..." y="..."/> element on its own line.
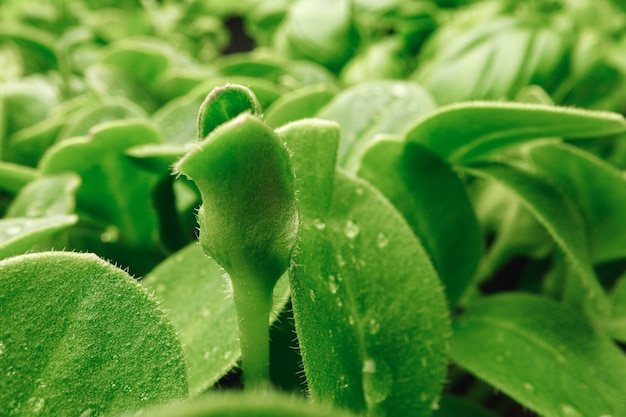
<point x="466" y="132"/>
<point x="543" y="355"/>
<point x="80" y="336"/>
<point x="422" y="187"/>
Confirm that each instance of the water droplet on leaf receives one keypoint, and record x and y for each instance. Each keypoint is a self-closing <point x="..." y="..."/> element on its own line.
<point x="382" y="240"/>
<point x="374" y="326"/>
<point x="377" y="381"/>
<point x="332" y="284"/>
<point x="569" y="411"/>
<point x="351" y="229"/>
<point x="319" y="225"/>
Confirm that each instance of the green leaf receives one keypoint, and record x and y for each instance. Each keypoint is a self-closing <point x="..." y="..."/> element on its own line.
<point x="597" y="188"/>
<point x="36" y="46"/>
<point x="563" y="222"/>
<point x="28" y="145"/>
<point x="248" y="221"/>
<point x="422" y="187"/>
<point x="298" y="104"/>
<point x="319" y="31"/>
<point x="18" y="234"/>
<point x="543" y="355"/>
<point x="260" y="404"/>
<point x="109" y="109"/>
<point x="223" y="104"/>
<point x="13" y="177"/>
<point x="372" y="108"/>
<point x="109" y="80"/>
<point x="113" y="189"/>
<point x="381" y="336"/>
<point x="195" y="292"/>
<point x="143" y="60"/>
<point x="27" y="102"/>
<point x="313" y="145"/>
<point x="465" y="132"/>
<point x="46" y="196"/>
<point x="81" y="337"/>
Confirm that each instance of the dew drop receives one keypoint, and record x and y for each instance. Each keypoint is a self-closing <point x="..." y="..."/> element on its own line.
<point x="86" y="413"/>
<point x="351" y="229"/>
<point x="1" y="348"/>
<point x="227" y="354"/>
<point x="377" y="381"/>
<point x="339" y="303"/>
<point x="312" y="295"/>
<point x="332" y="284"/>
<point x="382" y="240"/>
<point x="374" y="326"/>
<point x="569" y="411"/>
<point x="319" y="225"/>
<point x="529" y="387"/>
<point x="351" y="320"/>
<point x="342" y="382"/>
<point x="341" y="261"/>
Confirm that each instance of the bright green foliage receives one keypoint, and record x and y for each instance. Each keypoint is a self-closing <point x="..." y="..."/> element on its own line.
<point x="384" y="190"/>
<point x="195" y="292"/>
<point x="248" y="218"/>
<point x="80" y="336"/>
<point x="19" y="234"/>
<point x="535" y="344"/>
<point x="46" y="196"/>
<point x="373" y="108"/>
<point x="465" y="132"/>
<point x="376" y="343"/>
<point x="298" y="104"/>
<point x="597" y="187"/>
<point x="564" y="223"/>
<point x="382" y="337"/>
<point x="223" y="104"/>
<point x="421" y="186"/>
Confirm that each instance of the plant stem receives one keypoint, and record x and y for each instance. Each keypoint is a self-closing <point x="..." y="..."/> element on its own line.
<point x="253" y="302"/>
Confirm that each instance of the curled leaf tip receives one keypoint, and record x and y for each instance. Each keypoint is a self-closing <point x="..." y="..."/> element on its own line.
<point x="224" y="103"/>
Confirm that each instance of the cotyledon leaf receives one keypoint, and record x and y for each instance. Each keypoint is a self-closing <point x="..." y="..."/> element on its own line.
<point x="372" y="108"/>
<point x="543" y="355"/>
<point x="46" y="196"/>
<point x="598" y="188"/>
<point x="80" y="337"/>
<point x="380" y="343"/>
<point x="465" y="132"/>
<point x="113" y="189"/>
<point x="18" y="234"/>
<point x="565" y="225"/>
<point x="194" y="290"/>
<point x="422" y="187"/>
